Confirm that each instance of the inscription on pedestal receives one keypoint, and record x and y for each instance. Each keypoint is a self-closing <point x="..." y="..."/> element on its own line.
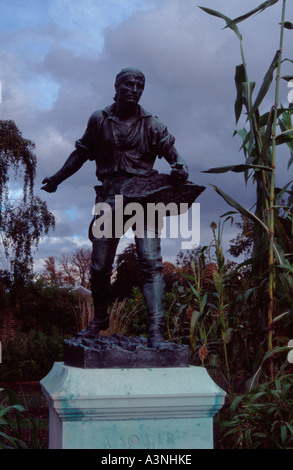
<point x="141" y="441"/>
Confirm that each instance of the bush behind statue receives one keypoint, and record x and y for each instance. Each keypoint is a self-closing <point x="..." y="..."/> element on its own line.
<point x="30" y="356"/>
<point x="42" y="306"/>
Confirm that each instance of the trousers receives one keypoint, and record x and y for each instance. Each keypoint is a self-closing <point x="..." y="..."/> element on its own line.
<point x="103" y="255"/>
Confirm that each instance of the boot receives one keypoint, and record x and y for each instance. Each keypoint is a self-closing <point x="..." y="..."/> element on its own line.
<point x="101" y="269"/>
<point x="100" y="322"/>
<point x="150" y="261"/>
<point x="154" y="294"/>
<point x="100" y="287"/>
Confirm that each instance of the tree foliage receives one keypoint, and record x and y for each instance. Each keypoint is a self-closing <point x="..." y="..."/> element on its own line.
<point x="23" y="220"/>
<point x="243" y="243"/>
<point x="127" y="273"/>
<point x="71" y="269"/>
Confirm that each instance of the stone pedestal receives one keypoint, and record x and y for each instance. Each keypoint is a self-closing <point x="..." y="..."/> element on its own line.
<point x="147" y="408"/>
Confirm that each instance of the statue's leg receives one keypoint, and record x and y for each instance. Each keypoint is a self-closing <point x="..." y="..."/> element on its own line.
<point x="103" y="254"/>
<point x="150" y="261"/>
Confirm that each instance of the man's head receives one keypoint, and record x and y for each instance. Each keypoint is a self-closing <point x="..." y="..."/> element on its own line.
<point x="129" y="85"/>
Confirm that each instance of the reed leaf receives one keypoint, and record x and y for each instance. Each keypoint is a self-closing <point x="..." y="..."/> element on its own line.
<point x="282" y="191"/>
<point x="227" y="335"/>
<point x="286" y="279"/>
<point x="265" y="117"/>
<point x="237" y="168"/>
<point x="288" y="78"/>
<point x="284" y="314"/>
<point x="265" y="84"/>
<point x="278" y="251"/>
<point x="285" y="137"/>
<point x="253" y="381"/>
<point x="258" y="9"/>
<point x="193" y="325"/>
<point x="247" y="90"/>
<point x="228" y="20"/>
<point x="285" y="123"/>
<point x="267" y="138"/>
<point x="288" y="25"/>
<point x="287" y="132"/>
<point x="239" y="79"/>
<point x="241" y="209"/>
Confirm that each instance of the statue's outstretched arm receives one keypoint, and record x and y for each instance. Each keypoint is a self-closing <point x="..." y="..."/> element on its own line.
<point x="73" y="163"/>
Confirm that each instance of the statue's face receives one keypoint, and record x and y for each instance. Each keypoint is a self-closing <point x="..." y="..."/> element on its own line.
<point x="130" y="89"/>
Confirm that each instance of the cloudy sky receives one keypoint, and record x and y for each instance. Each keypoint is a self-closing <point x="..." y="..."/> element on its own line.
<point x="59" y="59"/>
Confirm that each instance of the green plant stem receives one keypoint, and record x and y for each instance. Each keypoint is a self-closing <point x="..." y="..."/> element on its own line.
<point x="243" y="61"/>
<point x="272" y="191"/>
<point x="220" y="285"/>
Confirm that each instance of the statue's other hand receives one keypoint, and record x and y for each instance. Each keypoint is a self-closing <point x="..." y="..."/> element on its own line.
<point x="49" y="185"/>
<point x="179" y="174"/>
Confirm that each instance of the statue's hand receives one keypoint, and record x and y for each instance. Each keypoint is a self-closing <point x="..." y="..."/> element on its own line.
<point x="179" y="173"/>
<point x="49" y="185"/>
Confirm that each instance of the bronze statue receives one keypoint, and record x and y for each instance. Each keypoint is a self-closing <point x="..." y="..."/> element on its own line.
<point x="124" y="140"/>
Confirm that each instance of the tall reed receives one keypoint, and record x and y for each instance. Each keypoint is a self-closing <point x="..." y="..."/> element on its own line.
<point x="273" y="246"/>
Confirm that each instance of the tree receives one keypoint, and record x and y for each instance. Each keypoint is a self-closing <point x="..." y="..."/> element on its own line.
<point x="127" y="273"/>
<point x="77" y="266"/>
<point x="70" y="270"/>
<point x="51" y="274"/>
<point x="243" y="243"/>
<point x="24" y="220"/>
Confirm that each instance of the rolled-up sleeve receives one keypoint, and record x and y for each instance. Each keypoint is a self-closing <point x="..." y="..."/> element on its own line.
<point x="161" y="139"/>
<point x="85" y="145"/>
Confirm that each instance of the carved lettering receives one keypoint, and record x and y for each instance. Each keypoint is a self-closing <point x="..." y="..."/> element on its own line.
<point x="142" y="441"/>
<point x="107" y="443"/>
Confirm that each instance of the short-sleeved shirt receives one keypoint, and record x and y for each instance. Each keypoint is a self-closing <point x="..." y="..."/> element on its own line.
<point x="115" y="153"/>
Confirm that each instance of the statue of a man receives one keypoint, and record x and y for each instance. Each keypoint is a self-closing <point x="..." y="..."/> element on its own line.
<point x="124" y="141"/>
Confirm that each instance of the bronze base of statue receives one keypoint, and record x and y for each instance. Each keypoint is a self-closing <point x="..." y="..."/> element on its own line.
<point x="116" y="351"/>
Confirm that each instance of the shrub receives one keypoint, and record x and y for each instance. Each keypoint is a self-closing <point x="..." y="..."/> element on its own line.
<point x="14" y="422"/>
<point x="42" y="306"/>
<point x="261" y="419"/>
<point x="30" y="356"/>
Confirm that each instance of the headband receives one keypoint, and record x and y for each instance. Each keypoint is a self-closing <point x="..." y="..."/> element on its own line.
<point x="128" y="71"/>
